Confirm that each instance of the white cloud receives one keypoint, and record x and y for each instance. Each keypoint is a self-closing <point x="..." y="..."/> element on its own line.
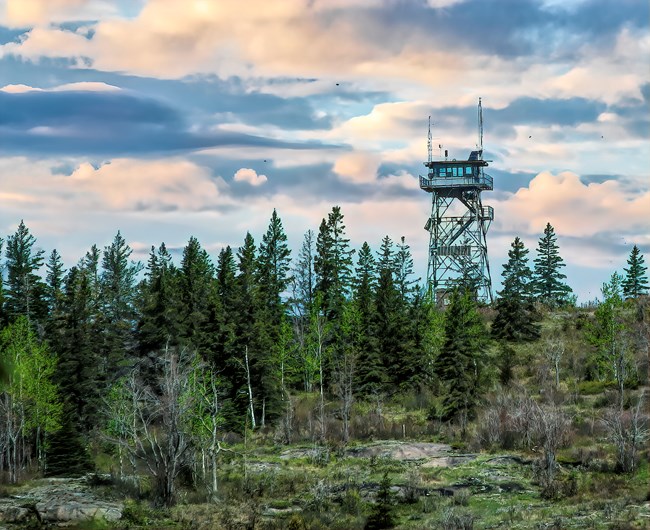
<point x="249" y="176"/>
<point x="574" y="208"/>
<point x="358" y="167"/>
<point x="82" y="86"/>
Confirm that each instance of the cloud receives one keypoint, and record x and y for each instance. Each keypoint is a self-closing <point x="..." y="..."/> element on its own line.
<point x="27" y="12"/>
<point x="77" y="120"/>
<point x="358" y="167"/>
<point x="249" y="176"/>
<point x="574" y="208"/>
<point x="90" y="86"/>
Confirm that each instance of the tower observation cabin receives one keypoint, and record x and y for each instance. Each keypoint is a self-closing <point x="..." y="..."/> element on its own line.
<point x="459" y="222"/>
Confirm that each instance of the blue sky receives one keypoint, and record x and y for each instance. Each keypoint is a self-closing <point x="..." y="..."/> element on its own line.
<point x="172" y="118"/>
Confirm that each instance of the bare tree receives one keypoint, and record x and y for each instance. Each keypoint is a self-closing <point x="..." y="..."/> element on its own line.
<point x="554" y="349"/>
<point x="154" y="423"/>
<point x="627" y="430"/>
<point x="344" y="373"/>
<point x="552" y="429"/>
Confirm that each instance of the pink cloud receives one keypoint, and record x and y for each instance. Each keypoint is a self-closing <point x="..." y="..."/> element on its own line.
<point x="249" y="176"/>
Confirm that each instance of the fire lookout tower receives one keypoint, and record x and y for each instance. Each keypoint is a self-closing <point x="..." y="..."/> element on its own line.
<point x="459" y="222"/>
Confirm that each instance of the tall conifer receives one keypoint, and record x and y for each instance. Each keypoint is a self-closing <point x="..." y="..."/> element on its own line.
<point x="635" y="282"/>
<point x="548" y="285"/>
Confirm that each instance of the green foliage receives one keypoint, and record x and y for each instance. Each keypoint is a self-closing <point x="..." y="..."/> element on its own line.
<point x="333" y="263"/>
<point x="381" y="515"/>
<point x="25" y="288"/>
<point x="636" y="280"/>
<point x="548" y="285"/>
<point x="608" y="333"/>
<point x="461" y="360"/>
<point x="30" y="401"/>
<point x="516" y="315"/>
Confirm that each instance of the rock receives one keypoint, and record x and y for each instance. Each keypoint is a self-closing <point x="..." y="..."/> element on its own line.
<point x="12" y="513"/>
<point x="58" y="501"/>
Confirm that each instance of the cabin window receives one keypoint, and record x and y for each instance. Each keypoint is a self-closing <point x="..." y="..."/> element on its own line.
<point x="468" y="171"/>
<point x="443" y="172"/>
<point x="455" y="171"/>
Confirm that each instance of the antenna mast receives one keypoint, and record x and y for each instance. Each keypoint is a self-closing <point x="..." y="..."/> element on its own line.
<point x="480" y="129"/>
<point x="429" y="145"/>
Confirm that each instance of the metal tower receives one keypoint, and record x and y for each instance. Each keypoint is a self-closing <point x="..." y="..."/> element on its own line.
<point x="459" y="222"/>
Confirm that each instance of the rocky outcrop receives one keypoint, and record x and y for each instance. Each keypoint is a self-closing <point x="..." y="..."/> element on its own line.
<point x="56" y="501"/>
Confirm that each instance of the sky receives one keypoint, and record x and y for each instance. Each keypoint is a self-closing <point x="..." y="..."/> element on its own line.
<point x="166" y="119"/>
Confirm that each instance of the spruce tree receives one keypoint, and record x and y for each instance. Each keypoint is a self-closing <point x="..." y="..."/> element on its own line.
<point x="25" y="288"/>
<point x="196" y="290"/>
<point x="635" y="283"/>
<point x="460" y="363"/>
<point x="516" y="315"/>
<point x="159" y="324"/>
<point x="304" y="277"/>
<point x="390" y="324"/>
<point x="548" y="285"/>
<point x="54" y="282"/>
<point x="333" y="263"/>
<point x="274" y="262"/>
<point x="118" y="297"/>
<point x="273" y="268"/>
<point x="404" y="270"/>
<point x="2" y="297"/>
<point x="371" y="375"/>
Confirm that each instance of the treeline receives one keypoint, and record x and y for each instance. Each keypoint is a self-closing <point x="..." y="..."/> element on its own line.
<point x="110" y="345"/>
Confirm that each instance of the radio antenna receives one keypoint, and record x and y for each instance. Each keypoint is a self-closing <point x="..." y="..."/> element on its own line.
<point x="480" y="129"/>
<point x="429" y="145"/>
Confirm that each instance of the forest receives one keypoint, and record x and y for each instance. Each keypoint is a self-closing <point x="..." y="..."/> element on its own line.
<point x="171" y="381"/>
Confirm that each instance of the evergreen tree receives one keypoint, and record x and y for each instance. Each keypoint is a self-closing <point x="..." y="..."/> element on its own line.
<point x="333" y="263"/>
<point x="2" y="299"/>
<point x="516" y="315"/>
<point x="54" y="279"/>
<point x="159" y="324"/>
<point x="548" y="285"/>
<point x="78" y="346"/>
<point x="25" y="289"/>
<point x="460" y="362"/>
<point x="196" y="291"/>
<point x="389" y="319"/>
<point x="404" y="270"/>
<point x="118" y="292"/>
<point x="54" y="282"/>
<point x="274" y="262"/>
<point x="370" y="373"/>
<point x="635" y="283"/>
<point x="304" y="277"/>
<point x="381" y="515"/>
<point x="273" y="267"/>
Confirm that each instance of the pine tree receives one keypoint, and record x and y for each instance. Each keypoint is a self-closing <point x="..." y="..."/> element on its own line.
<point x="79" y="349"/>
<point x="2" y="303"/>
<point x="381" y="515"/>
<point x="370" y="376"/>
<point x="389" y="319"/>
<point x="304" y="277"/>
<point x="460" y="362"/>
<point x="516" y="315"/>
<point x="54" y="282"/>
<point x="333" y="263"/>
<point x="196" y="290"/>
<point x="274" y="262"/>
<point x="635" y="283"/>
<point x="404" y="270"/>
<point x="118" y="294"/>
<point x="548" y="285"/>
<point x="25" y="289"/>
<point x="273" y="268"/>
<point x="159" y="325"/>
